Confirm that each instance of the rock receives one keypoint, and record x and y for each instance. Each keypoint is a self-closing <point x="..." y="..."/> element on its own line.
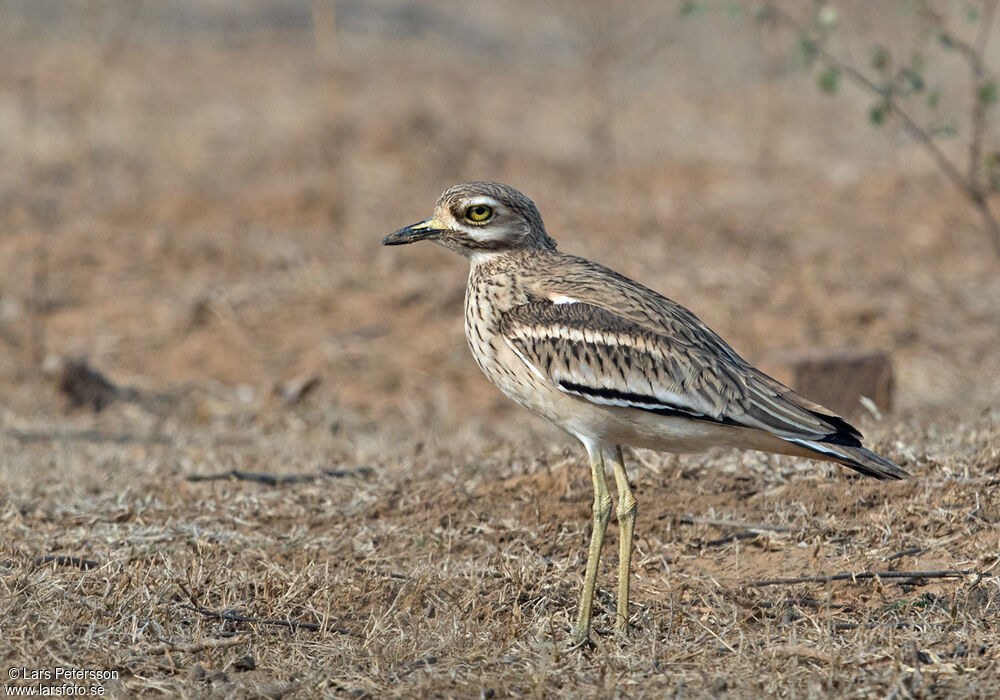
<point x="245" y="663"/>
<point x="292" y="392"/>
<point x="273" y="691"/>
<point x="85" y="386"/>
<point x="837" y="379"/>
<point x="718" y="687"/>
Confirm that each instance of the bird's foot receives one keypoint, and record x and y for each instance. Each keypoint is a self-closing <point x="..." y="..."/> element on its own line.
<point x="578" y="641"/>
<point x="621" y="629"/>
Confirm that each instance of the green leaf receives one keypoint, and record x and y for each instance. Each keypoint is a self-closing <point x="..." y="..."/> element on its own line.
<point x="805" y="52"/>
<point x="691" y="8"/>
<point x="829" y="81"/>
<point x="913" y="79"/>
<point x="826" y="18"/>
<point x="879" y="113"/>
<point x="764" y="14"/>
<point x="881" y="58"/>
<point x="934" y="97"/>
<point x="971" y="13"/>
<point x="734" y="8"/>
<point x="988" y="93"/>
<point x="992" y="165"/>
<point x="943" y="131"/>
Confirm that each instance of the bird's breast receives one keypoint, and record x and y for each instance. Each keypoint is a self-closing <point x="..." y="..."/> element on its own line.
<point x="486" y="301"/>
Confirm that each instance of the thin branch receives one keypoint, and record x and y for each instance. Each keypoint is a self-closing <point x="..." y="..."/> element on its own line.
<point x="291" y="624"/>
<point x="408" y="668"/>
<point x="278" y="479"/>
<point x="387" y="574"/>
<point x="978" y="106"/>
<point x="985" y="27"/>
<point x="801" y="602"/>
<point x="904" y="553"/>
<point x="718" y="542"/>
<point x="239" y="475"/>
<point x="802" y="652"/>
<point x="735" y="524"/>
<point x="909" y="124"/>
<point x="861" y="576"/>
<point x="66" y="560"/>
<point x="980" y="74"/>
<point x="967" y="186"/>
<point x="170" y="647"/>
<point x="95" y="436"/>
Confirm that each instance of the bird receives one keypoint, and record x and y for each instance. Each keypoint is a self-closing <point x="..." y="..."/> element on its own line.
<point x="613" y="363"/>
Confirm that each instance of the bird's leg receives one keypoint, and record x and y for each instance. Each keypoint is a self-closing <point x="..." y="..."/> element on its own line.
<point x="626" y="530"/>
<point x="602" y="514"/>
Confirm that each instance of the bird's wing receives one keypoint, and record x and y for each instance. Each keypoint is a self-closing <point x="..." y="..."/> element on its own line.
<point x="603" y="357"/>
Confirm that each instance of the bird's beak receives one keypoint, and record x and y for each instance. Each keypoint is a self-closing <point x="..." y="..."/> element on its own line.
<point x="428" y="228"/>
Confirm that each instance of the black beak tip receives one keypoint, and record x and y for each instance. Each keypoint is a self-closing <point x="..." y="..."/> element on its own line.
<point x="400" y="237"/>
<point x="410" y="234"/>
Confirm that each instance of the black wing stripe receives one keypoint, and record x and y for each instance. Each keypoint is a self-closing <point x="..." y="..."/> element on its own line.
<point x="642" y="402"/>
<point x="844" y="434"/>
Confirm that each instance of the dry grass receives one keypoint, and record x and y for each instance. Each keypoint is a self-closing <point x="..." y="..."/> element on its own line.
<point x="430" y="575"/>
<point x="210" y="238"/>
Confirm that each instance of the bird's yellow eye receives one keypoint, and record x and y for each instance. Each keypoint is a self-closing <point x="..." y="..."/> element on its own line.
<point x="479" y="213"/>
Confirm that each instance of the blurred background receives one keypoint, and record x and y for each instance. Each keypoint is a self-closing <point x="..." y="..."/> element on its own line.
<point x="192" y="197"/>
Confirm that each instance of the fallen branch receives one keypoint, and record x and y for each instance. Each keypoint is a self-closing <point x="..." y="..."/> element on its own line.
<point x="750" y="527"/>
<point x="802" y="652"/>
<point x="897" y="625"/>
<point x="66" y="560"/>
<point x="30" y="436"/>
<point x="860" y="576"/>
<point x="412" y="666"/>
<point x="731" y="538"/>
<point x="278" y="479"/>
<point x="387" y="574"/>
<point x="356" y="471"/>
<point x="239" y="475"/>
<point x="801" y="602"/>
<point x="291" y="624"/>
<point x="904" y="553"/>
<point x="170" y="647"/>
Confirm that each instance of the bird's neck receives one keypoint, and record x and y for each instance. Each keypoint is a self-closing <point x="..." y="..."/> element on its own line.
<point x="502" y="280"/>
<point x="488" y="263"/>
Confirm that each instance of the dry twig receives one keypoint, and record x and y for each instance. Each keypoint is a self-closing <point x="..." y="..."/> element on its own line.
<point x="860" y="576"/>
<point x="750" y="527"/>
<point x="291" y="624"/>
<point x="66" y="560"/>
<point x="214" y="643"/>
<point x="278" y="479"/>
<point x="904" y="553"/>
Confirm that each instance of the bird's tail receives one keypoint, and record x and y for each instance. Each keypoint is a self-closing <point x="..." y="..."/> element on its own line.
<point x="857" y="458"/>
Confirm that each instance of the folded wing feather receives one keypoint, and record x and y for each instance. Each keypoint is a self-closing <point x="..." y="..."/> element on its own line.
<point x="603" y="357"/>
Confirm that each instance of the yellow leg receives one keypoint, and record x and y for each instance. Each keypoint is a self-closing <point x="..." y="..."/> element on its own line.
<point x="626" y="530"/>
<point x="602" y="514"/>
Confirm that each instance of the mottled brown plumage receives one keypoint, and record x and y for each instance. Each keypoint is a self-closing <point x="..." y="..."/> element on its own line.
<point x="613" y="362"/>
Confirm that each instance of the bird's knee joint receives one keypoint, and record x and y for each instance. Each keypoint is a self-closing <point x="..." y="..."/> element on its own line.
<point x="602" y="509"/>
<point x="627" y="509"/>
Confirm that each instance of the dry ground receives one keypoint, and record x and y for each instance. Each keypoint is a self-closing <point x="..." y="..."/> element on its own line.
<point x="198" y="215"/>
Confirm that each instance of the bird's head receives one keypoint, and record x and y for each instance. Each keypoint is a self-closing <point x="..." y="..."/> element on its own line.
<point x="480" y="219"/>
